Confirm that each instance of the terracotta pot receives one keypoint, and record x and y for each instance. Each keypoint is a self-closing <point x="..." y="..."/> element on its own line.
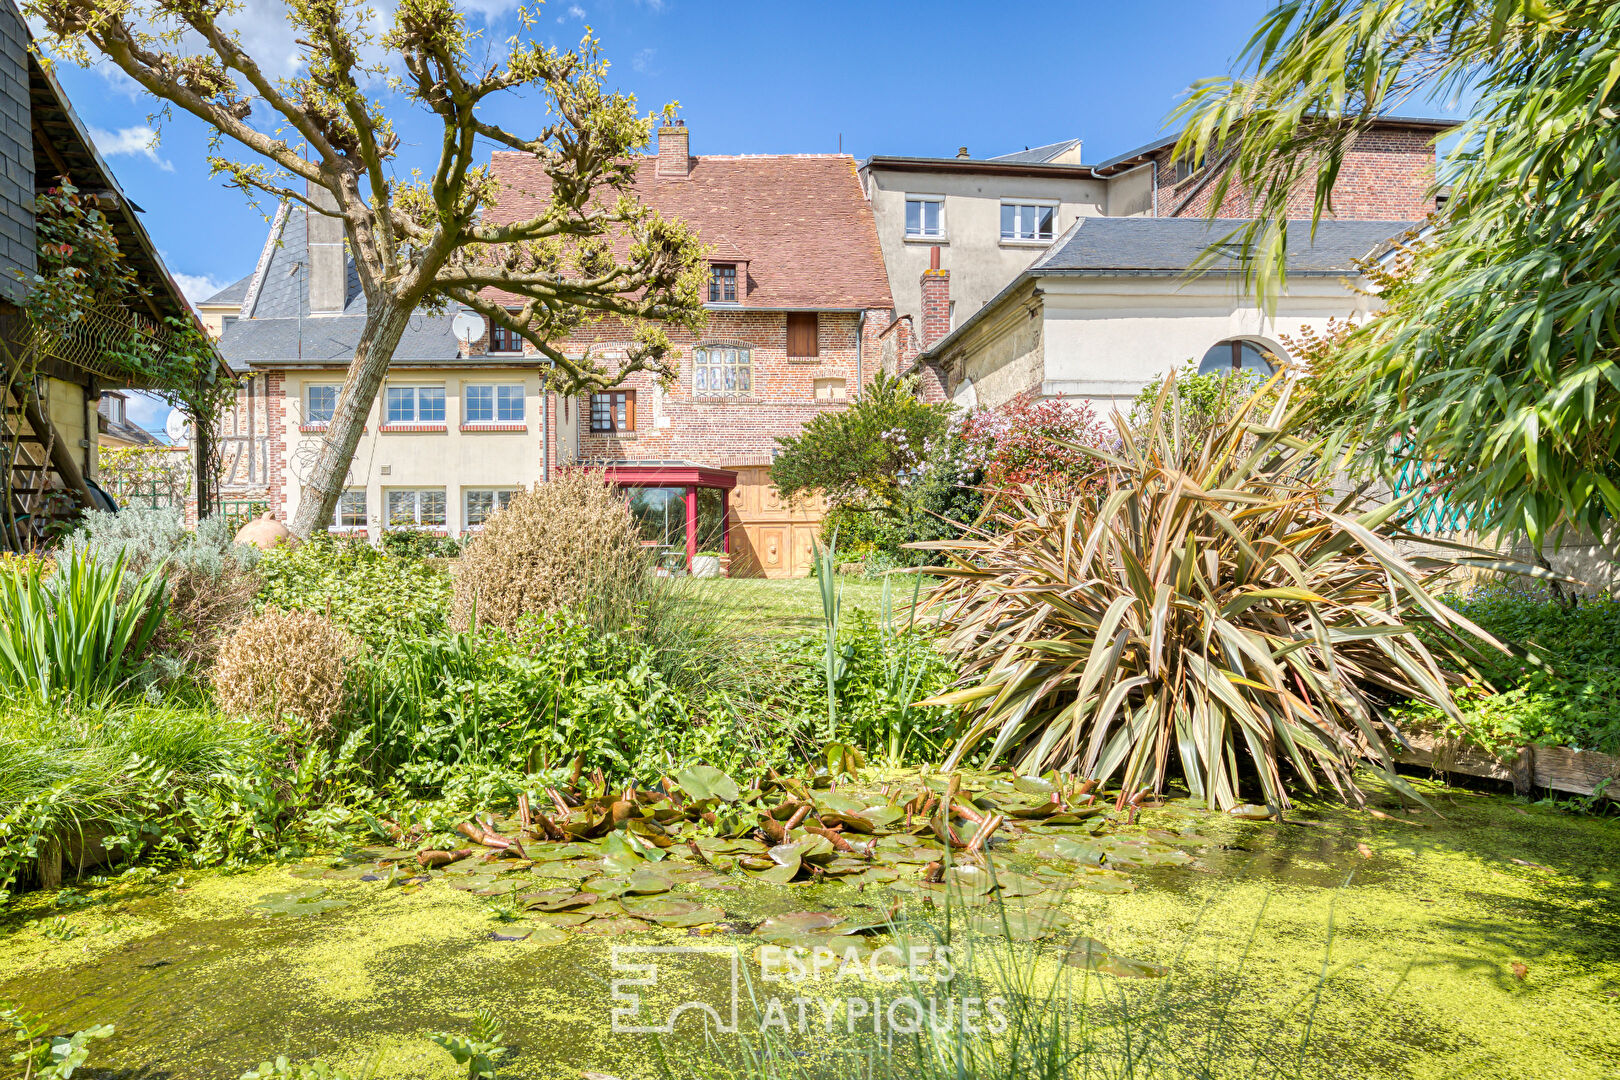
<point x="265" y="532"/>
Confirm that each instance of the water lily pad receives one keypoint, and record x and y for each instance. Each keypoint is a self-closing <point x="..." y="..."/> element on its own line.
<point x="1028" y="924"/>
<point x="1105" y="883"/>
<point x="644" y="882"/>
<point x="700" y="916"/>
<point x="717" y="845"/>
<point x="1012" y="883"/>
<point x="971" y="880"/>
<point x="1033" y="785"/>
<point x="561" y="918"/>
<point x="707" y="782"/>
<point x="1093" y="955"/>
<point x="799" y="922"/>
<point x="780" y="874"/>
<point x="548" y="935"/>
<point x="563" y="871"/>
<point x="351" y="873"/>
<point x="1061" y="847"/>
<point x="876" y="875"/>
<point x="613" y="927"/>
<point x="557" y="900"/>
<point x="1251" y="812"/>
<point x="602" y="908"/>
<point x="298" y="903"/>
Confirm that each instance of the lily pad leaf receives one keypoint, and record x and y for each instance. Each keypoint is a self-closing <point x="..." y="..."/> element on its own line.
<point x="298" y="903"/>
<point x="799" y="922"/>
<point x="1030" y="924"/>
<point x="1093" y="955"/>
<point x="706" y="782"/>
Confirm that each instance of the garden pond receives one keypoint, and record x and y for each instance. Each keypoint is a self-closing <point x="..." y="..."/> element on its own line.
<point x="1477" y="937"/>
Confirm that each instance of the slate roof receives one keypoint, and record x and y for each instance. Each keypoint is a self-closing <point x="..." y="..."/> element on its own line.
<point x="329" y="340"/>
<point x="276" y="311"/>
<point x="1038" y="155"/>
<point x="234" y="293"/>
<point x="1172" y="247"/>
<point x="1175" y="245"/>
<point x="801" y="221"/>
<point x="1166" y="141"/>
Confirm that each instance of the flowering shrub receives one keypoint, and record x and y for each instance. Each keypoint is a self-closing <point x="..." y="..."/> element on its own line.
<point x="1023" y="442"/>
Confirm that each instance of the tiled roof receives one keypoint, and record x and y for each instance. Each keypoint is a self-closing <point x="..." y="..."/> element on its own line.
<point x="1148" y="245"/>
<point x="801" y="221"/>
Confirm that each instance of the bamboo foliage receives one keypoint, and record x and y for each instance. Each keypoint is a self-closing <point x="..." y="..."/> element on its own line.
<point x="1212" y="606"/>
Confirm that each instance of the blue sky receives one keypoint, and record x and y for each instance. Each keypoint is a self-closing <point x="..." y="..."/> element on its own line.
<point x="761" y="77"/>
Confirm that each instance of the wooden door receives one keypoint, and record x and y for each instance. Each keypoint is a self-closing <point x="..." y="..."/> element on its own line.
<point x="770" y="537"/>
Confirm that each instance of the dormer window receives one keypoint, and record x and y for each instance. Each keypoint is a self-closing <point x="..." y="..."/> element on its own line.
<point x="502" y="340"/>
<point x="723" y="283"/>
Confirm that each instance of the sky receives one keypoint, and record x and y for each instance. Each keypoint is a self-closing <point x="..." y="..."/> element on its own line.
<point x="882" y="77"/>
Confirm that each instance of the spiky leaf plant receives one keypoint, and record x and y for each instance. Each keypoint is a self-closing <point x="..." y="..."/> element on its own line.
<point x="1212" y="605"/>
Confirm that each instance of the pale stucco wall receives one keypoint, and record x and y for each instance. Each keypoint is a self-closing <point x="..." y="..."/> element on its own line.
<point x="1107" y="337"/>
<point x="980" y="262"/>
<point x="69" y="414"/>
<point x="454" y="459"/>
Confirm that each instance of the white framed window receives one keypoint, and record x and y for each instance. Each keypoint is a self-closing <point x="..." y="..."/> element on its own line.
<point x="1028" y="220"/>
<point x="415" y="405"/>
<point x="479" y="503"/>
<point x="351" y="509"/>
<point x="925" y="216"/>
<point x="320" y="402"/>
<point x="493" y="403"/>
<point x="722" y="370"/>
<point x="415" y="508"/>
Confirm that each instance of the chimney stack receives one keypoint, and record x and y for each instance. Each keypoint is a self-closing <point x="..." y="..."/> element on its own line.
<point x="674" y="156"/>
<point x="327" y="275"/>
<point x="936" y="302"/>
<point x="961" y="152"/>
<point x="934" y="325"/>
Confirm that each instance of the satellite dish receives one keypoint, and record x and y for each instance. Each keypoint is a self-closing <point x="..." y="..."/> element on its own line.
<point x="467" y="326"/>
<point x="177" y="427"/>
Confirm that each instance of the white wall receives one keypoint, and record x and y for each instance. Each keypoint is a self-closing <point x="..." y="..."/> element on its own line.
<point x="1106" y="338"/>
<point x="980" y="262"/>
<point x="454" y="459"/>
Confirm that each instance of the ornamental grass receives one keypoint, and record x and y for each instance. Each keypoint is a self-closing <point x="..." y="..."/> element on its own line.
<point x="1212" y="608"/>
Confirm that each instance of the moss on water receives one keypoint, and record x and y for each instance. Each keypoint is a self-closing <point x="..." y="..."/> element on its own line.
<point x="1417" y="926"/>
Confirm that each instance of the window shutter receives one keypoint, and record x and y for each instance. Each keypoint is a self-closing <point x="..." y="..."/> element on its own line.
<point x="630" y="410"/>
<point x="801" y="334"/>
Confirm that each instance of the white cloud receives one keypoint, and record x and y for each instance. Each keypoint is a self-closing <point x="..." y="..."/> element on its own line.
<point x="137" y="141"/>
<point x="146" y="410"/>
<point x="198" y="287"/>
<point x="491" y="10"/>
<point x="652" y="5"/>
<point x="642" y="61"/>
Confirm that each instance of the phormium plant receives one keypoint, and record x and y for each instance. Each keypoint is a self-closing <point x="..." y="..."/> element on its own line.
<point x="1210" y="603"/>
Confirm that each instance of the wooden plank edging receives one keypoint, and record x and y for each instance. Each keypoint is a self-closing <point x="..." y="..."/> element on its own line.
<point x="1557" y="768"/>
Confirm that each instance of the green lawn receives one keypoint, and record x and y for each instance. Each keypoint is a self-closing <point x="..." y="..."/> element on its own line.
<point x="794" y="604"/>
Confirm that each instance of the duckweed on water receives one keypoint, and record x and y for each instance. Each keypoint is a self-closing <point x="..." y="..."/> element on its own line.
<point x="1396" y="939"/>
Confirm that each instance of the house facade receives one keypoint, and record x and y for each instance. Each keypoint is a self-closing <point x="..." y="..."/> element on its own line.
<point x="798" y="296"/>
<point x="991" y="218"/>
<point x="1117" y="303"/>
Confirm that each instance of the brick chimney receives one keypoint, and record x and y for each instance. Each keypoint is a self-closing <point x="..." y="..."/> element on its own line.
<point x="936" y="302"/>
<point x="327" y="275"/>
<point x="934" y="325"/>
<point x="674" y="152"/>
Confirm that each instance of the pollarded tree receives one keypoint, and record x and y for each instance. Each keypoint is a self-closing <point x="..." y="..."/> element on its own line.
<point x="1497" y="359"/>
<point x="590" y="252"/>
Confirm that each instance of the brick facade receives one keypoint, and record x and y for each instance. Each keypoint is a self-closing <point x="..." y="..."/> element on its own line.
<point x="275" y="401"/>
<point x="740" y="429"/>
<point x="1385" y="176"/>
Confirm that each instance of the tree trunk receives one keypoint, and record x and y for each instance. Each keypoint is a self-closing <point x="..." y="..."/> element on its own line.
<point x="385" y="324"/>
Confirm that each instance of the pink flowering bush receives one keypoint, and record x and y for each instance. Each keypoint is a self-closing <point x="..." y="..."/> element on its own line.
<point x="1021" y="443"/>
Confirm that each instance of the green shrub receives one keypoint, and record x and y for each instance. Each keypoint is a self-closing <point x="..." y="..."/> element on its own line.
<point x="535" y="699"/>
<point x="1571" y="697"/>
<point x="211" y="579"/>
<point x="380" y="597"/>
<point x="419" y="544"/>
<point x="79" y="634"/>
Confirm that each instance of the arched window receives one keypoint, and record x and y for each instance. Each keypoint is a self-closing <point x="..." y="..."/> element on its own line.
<point x="1235" y="354"/>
